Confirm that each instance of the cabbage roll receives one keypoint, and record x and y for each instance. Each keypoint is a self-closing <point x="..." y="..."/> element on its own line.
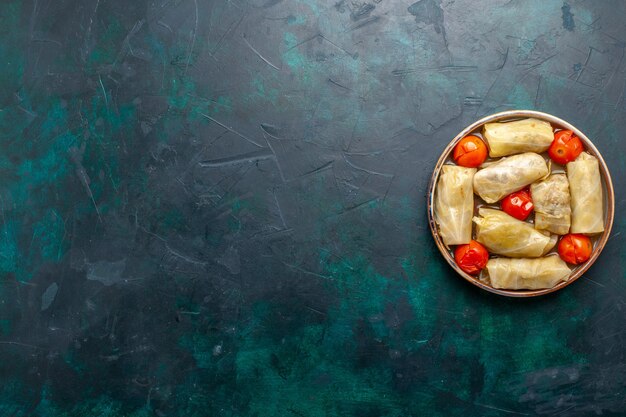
<point x="527" y="274"/>
<point x="552" y="204"/>
<point x="505" y="235"/>
<point x="527" y="135"/>
<point x="508" y="175"/>
<point x="454" y="204"/>
<point x="586" y="190"/>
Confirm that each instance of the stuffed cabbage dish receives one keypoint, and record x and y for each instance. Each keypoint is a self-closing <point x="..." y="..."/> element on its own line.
<point x="520" y="204"/>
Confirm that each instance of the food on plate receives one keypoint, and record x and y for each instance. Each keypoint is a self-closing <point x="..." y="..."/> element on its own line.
<point x="470" y="152"/>
<point x="507" y="236"/>
<point x="454" y="204"/>
<point x="586" y="192"/>
<point x="552" y="204"/>
<point x="527" y="273"/>
<point x="575" y="248"/>
<point x="509" y="175"/>
<point x="526" y="135"/>
<point x="472" y="257"/>
<point x="518" y="204"/>
<point x="518" y="208"/>
<point x="565" y="147"/>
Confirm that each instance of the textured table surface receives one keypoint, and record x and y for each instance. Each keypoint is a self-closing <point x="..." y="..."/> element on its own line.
<point x="217" y="208"/>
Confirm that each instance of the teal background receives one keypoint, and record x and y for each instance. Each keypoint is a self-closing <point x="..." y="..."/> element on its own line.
<point x="217" y="208"/>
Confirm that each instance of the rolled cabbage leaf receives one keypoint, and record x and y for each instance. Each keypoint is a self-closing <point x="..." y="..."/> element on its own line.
<point x="454" y="204"/>
<point x="505" y="235"/>
<point x="508" y="175"/>
<point x="551" y="200"/>
<point x="586" y="191"/>
<point x="527" y="273"/>
<point x="527" y="135"/>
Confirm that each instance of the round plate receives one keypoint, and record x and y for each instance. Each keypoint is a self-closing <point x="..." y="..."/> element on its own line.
<point x="609" y="200"/>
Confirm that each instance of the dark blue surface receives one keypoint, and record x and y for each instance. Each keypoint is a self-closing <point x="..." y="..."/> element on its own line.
<point x="218" y="208"/>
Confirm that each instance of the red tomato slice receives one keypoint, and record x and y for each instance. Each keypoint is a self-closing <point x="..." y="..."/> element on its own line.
<point x="472" y="257"/>
<point x="575" y="248"/>
<point x="518" y="204"/>
<point x="470" y="152"/>
<point x="565" y="147"/>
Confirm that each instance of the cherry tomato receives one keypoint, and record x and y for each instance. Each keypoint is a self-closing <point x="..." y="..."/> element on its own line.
<point x="565" y="147"/>
<point x="575" y="249"/>
<point x="518" y="204"/>
<point x="470" y="152"/>
<point x="472" y="257"/>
